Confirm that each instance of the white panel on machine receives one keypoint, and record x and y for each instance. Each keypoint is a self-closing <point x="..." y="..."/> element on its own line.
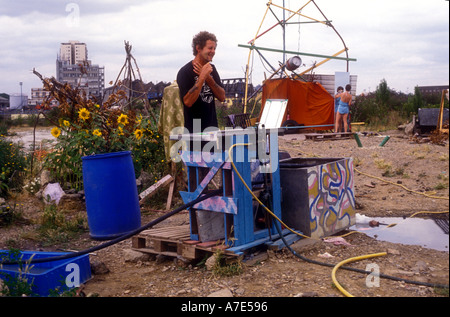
<point x="273" y="113"/>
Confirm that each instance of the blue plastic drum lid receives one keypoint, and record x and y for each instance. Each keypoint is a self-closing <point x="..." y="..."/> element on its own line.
<point x="112" y="200"/>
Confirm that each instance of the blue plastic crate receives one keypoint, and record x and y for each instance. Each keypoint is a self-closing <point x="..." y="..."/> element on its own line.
<point x="60" y="276"/>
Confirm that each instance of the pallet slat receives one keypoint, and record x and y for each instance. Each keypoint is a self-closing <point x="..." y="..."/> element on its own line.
<point x="328" y="136"/>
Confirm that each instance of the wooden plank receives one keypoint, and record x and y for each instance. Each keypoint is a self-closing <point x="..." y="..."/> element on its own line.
<point x="328" y="136"/>
<point x="191" y="242"/>
<point x="169" y="233"/>
<point x="170" y="196"/>
<point x="152" y="251"/>
<point x="165" y="232"/>
<point x="189" y="252"/>
<point x="221" y="247"/>
<point x="166" y="180"/>
<point x="138" y="242"/>
<point x="208" y="244"/>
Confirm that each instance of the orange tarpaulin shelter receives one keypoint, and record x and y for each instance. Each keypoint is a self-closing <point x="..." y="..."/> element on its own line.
<point x="309" y="103"/>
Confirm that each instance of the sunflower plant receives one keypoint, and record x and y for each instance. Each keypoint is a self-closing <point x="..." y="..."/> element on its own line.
<point x="86" y="128"/>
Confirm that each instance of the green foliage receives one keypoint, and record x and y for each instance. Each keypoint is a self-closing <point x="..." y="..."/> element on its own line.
<point x="222" y="269"/>
<point x="55" y="227"/>
<point x="85" y="128"/>
<point x="224" y="110"/>
<point x="3" y="127"/>
<point x="12" y="163"/>
<point x="387" y="107"/>
<point x="10" y="214"/>
<point x="148" y="152"/>
<point x="417" y="100"/>
<point x="383" y="94"/>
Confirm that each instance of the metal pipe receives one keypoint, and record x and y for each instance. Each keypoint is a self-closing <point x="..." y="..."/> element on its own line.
<point x="358" y="141"/>
<point x="386" y="139"/>
<point x="251" y="47"/>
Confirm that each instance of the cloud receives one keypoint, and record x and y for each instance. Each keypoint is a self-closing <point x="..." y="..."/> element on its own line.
<point x="62" y="8"/>
<point x="405" y="42"/>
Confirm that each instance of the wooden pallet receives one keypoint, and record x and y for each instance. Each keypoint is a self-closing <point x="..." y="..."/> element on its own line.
<point x="328" y="136"/>
<point x="174" y="242"/>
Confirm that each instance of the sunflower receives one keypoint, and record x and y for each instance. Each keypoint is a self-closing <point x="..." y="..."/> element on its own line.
<point x="139" y="121"/>
<point x="138" y="134"/>
<point x="121" y="131"/>
<point x="84" y="114"/>
<point x="66" y="123"/>
<point x="123" y="119"/>
<point x="56" y="132"/>
<point x="97" y="133"/>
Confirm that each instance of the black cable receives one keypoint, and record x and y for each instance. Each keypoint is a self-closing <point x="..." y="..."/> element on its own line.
<point x="121" y="238"/>
<point x="354" y="269"/>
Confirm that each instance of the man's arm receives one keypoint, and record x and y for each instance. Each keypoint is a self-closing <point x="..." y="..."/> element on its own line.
<point x="217" y="90"/>
<point x="192" y="95"/>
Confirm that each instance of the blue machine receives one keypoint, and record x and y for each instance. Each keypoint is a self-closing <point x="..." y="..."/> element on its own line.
<point x="234" y="217"/>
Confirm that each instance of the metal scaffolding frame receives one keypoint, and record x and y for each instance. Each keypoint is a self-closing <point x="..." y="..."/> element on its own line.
<point x="283" y="22"/>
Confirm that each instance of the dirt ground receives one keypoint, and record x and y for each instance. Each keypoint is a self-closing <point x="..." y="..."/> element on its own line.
<point x="422" y="168"/>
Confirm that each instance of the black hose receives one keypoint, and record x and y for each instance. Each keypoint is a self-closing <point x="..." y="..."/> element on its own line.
<point x="121" y="238"/>
<point x="354" y="269"/>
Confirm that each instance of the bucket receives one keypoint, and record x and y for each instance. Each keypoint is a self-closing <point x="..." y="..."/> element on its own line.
<point x="112" y="200"/>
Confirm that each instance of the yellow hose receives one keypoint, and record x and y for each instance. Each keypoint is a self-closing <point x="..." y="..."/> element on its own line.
<point x="333" y="273"/>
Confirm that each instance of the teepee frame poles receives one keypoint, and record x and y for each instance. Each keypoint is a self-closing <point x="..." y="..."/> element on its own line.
<point x="130" y="76"/>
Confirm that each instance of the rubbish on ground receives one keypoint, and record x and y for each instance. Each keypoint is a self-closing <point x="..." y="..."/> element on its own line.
<point x="325" y="255"/>
<point x="337" y="241"/>
<point x="53" y="193"/>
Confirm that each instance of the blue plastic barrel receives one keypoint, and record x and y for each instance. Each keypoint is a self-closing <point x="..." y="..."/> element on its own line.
<point x="112" y="200"/>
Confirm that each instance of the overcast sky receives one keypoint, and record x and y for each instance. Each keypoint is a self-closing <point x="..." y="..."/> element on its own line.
<point x="405" y="42"/>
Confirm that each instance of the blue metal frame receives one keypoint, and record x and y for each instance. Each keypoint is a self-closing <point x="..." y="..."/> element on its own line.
<point x="236" y="206"/>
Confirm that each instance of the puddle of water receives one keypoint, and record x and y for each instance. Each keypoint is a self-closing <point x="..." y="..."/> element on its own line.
<point x="410" y="231"/>
<point x="25" y="137"/>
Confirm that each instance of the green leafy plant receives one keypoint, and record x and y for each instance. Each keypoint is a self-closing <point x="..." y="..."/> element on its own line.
<point x="222" y="268"/>
<point x="84" y="128"/>
<point x="12" y="163"/>
<point x="10" y="214"/>
<point x="33" y="186"/>
<point x="55" y="227"/>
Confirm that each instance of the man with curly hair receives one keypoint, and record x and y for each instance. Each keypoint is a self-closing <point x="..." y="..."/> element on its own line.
<point x="199" y="84"/>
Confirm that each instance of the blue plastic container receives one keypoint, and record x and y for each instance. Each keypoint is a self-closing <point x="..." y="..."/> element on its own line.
<point x="56" y="276"/>
<point x="112" y="200"/>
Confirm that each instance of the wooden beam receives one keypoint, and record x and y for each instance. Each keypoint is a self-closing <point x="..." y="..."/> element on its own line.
<point x="166" y="180"/>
